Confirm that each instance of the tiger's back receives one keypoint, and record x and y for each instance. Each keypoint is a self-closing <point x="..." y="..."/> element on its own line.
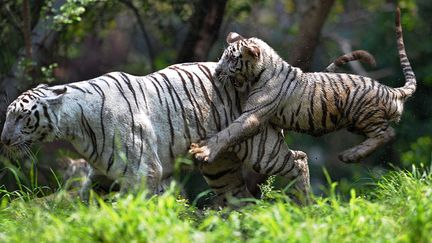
<point x="165" y="110"/>
<point x="325" y="102"/>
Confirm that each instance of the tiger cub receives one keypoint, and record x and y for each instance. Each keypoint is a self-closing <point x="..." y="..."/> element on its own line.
<point x="312" y="103"/>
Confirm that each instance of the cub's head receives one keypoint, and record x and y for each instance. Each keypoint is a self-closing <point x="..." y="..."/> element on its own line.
<point x="30" y="118"/>
<point x="241" y="62"/>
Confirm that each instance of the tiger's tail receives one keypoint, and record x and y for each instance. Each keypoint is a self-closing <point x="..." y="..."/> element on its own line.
<point x="359" y="55"/>
<point x="410" y="80"/>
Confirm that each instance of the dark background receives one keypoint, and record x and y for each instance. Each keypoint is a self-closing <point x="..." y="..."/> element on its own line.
<point x="63" y="41"/>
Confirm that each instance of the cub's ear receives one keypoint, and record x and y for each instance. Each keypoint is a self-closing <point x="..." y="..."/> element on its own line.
<point x="251" y="51"/>
<point x="58" y="93"/>
<point x="233" y="37"/>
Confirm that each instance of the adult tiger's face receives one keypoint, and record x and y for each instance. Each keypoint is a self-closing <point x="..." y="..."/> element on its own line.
<point x="28" y="119"/>
<point x="239" y="61"/>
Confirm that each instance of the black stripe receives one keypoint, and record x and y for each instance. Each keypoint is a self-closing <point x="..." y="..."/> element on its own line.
<point x="284" y="164"/>
<point x="99" y="90"/>
<point x="121" y="91"/>
<point x="200" y="129"/>
<point x="88" y="129"/>
<point x="324" y="112"/>
<point x="353" y="99"/>
<point x="183" y="111"/>
<point x="111" y="158"/>
<point x="311" y="121"/>
<point x="171" y="90"/>
<point x="45" y="111"/>
<point x="215" y="112"/>
<point x="141" y="147"/>
<point x="216" y="89"/>
<point x="73" y="86"/>
<point x="129" y="85"/>
<point x="171" y="129"/>
<point x="218" y="174"/>
<point x="157" y="90"/>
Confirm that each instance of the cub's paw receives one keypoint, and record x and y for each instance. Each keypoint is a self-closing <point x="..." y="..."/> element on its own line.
<point x="300" y="155"/>
<point x="200" y="152"/>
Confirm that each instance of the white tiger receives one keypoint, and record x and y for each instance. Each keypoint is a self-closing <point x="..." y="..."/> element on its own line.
<point x="132" y="128"/>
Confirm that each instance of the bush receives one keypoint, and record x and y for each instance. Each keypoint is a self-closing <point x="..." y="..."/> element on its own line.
<point x="398" y="208"/>
<point x="420" y="153"/>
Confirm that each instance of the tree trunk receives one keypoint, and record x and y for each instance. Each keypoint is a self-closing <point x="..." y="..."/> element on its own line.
<point x="43" y="40"/>
<point x="203" y="30"/>
<point x="310" y="31"/>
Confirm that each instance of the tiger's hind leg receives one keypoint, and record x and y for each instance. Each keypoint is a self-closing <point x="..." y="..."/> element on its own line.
<point x="142" y="167"/>
<point x="226" y="179"/>
<point x="373" y="141"/>
<point x="267" y="153"/>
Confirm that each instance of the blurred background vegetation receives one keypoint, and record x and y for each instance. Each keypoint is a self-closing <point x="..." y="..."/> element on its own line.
<point x="57" y="41"/>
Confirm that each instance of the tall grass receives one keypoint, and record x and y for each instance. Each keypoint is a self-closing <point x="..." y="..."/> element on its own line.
<point x="397" y="209"/>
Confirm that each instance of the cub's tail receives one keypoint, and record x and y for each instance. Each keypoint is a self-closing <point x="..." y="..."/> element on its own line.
<point x="359" y="55"/>
<point x="410" y="80"/>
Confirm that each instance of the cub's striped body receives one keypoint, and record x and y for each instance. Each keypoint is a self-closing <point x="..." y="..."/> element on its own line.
<point x="130" y="128"/>
<point x="312" y="103"/>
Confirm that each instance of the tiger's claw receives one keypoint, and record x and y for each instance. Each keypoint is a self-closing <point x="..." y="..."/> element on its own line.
<point x="200" y="153"/>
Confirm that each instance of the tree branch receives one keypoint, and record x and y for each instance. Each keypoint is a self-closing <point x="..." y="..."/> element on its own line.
<point x="204" y="28"/>
<point x="43" y="40"/>
<point x="26" y="29"/>
<point x="310" y="30"/>
<point x="11" y="19"/>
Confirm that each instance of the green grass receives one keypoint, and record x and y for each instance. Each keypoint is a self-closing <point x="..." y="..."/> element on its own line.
<point x="397" y="209"/>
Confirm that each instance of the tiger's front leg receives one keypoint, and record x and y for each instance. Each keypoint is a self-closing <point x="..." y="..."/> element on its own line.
<point x="260" y="106"/>
<point x="245" y="126"/>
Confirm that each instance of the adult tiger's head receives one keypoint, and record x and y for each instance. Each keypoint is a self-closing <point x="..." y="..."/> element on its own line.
<point x="242" y="61"/>
<point x="30" y="117"/>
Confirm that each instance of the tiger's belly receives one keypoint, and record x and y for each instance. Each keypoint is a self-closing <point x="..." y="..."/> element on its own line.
<point x="300" y="117"/>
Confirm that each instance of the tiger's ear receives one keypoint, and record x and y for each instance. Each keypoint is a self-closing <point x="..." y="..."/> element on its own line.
<point x="233" y="37"/>
<point x="57" y="95"/>
<point x="42" y="86"/>
<point x="251" y="51"/>
<point x="59" y="91"/>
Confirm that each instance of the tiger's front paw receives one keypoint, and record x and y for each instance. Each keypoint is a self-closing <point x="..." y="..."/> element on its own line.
<point x="300" y="155"/>
<point x="201" y="152"/>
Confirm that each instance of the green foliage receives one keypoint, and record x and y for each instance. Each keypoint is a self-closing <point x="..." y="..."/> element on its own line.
<point x="420" y="152"/>
<point x="47" y="72"/>
<point x="26" y="180"/>
<point x="70" y="12"/>
<point x="161" y="12"/>
<point x="240" y="10"/>
<point x="399" y="208"/>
